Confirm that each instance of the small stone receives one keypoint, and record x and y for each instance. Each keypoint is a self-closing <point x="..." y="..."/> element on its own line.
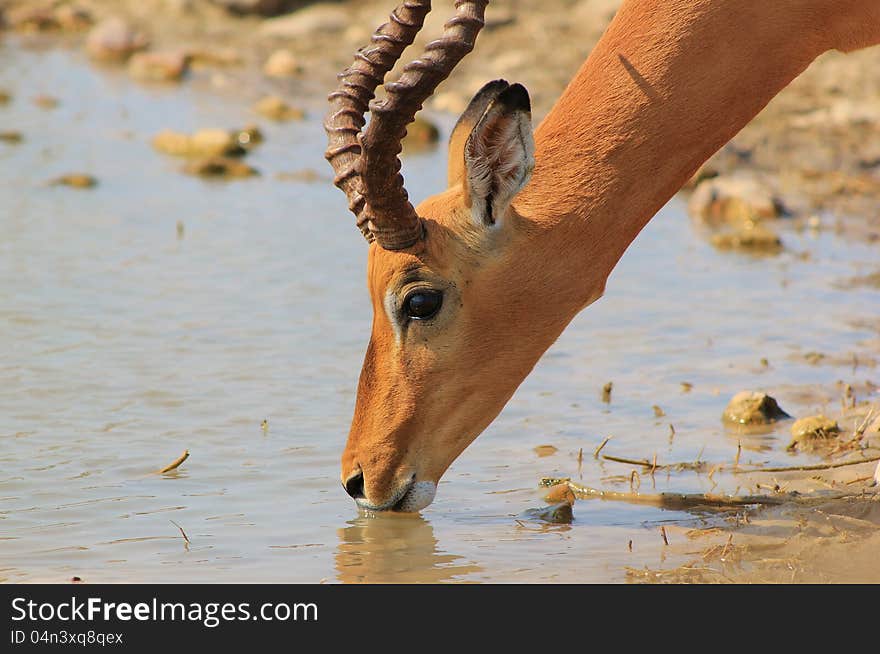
<point x="733" y="199"/>
<point x="811" y="431"/>
<point x="281" y="63"/>
<point x="157" y="66"/>
<point x="13" y="138"/>
<point x="113" y="39"/>
<point x="753" y="408"/>
<point x="220" y="167"/>
<point x="171" y="142"/>
<point x="203" y="143"/>
<point x="752" y="238"/>
<point x="274" y="108"/>
<point x="75" y="180"/>
<point x="560" y="493"/>
<point x="210" y="142"/>
<point x="421" y="134"/>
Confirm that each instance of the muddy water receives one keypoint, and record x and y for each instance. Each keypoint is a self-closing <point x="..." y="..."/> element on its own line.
<point x="123" y="342"/>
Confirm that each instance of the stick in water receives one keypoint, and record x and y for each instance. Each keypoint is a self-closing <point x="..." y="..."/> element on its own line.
<point x="174" y="464"/>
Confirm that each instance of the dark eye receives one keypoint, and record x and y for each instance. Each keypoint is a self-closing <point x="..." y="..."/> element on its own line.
<point x="421" y="305"/>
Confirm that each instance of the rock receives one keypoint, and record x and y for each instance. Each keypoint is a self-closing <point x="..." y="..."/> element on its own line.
<point x="113" y="39"/>
<point x="311" y="21"/>
<point x="220" y="167"/>
<point x="13" y="138"/>
<point x="281" y="63"/>
<point x="75" y="180"/>
<point x="203" y="143"/>
<point x="5" y="97"/>
<point x="734" y="199"/>
<point x="751" y="238"/>
<point x="753" y="408"/>
<point x="158" y="66"/>
<point x="559" y="513"/>
<point x="809" y="432"/>
<point x="275" y="108"/>
<point x="215" y="142"/>
<point x="421" y="134"/>
<point x="560" y="493"/>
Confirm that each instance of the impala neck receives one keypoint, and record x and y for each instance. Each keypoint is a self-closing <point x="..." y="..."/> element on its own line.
<point x="667" y="85"/>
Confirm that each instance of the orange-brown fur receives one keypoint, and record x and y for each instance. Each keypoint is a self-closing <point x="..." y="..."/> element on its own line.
<point x="668" y="84"/>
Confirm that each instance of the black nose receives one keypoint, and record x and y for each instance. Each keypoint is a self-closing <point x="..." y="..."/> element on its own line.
<point x="354" y="485"/>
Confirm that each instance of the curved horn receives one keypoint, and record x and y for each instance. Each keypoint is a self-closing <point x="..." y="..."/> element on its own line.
<point x="350" y="101"/>
<point x="393" y="220"/>
<point x="382" y="204"/>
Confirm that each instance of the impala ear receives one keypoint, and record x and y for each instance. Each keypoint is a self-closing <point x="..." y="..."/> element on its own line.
<point x="499" y="153"/>
<point x="466" y="124"/>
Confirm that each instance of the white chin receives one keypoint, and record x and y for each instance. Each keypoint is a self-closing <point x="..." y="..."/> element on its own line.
<point x="418" y="497"/>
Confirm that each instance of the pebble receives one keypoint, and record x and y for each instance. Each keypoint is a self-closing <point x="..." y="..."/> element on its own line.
<point x="203" y="143"/>
<point x="733" y="199"/>
<point x="753" y="408"/>
<point x="75" y="180"/>
<point x="220" y="167"/>
<point x="158" y="66"/>
<point x="281" y="63"/>
<point x="113" y="39"/>
<point x="807" y="431"/>
<point x="275" y="108"/>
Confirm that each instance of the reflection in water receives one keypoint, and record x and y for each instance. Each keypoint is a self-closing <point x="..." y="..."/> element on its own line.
<point x="395" y="548"/>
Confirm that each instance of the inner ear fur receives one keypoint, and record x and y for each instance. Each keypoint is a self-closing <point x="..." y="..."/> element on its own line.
<point x="499" y="155"/>
<point x="464" y="127"/>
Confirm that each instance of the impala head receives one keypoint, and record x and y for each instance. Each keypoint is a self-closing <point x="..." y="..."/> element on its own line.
<point x="451" y="336"/>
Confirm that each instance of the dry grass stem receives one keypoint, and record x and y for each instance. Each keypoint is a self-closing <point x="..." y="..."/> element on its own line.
<point x="818" y="466"/>
<point x="603" y="444"/>
<point x="174" y="464"/>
